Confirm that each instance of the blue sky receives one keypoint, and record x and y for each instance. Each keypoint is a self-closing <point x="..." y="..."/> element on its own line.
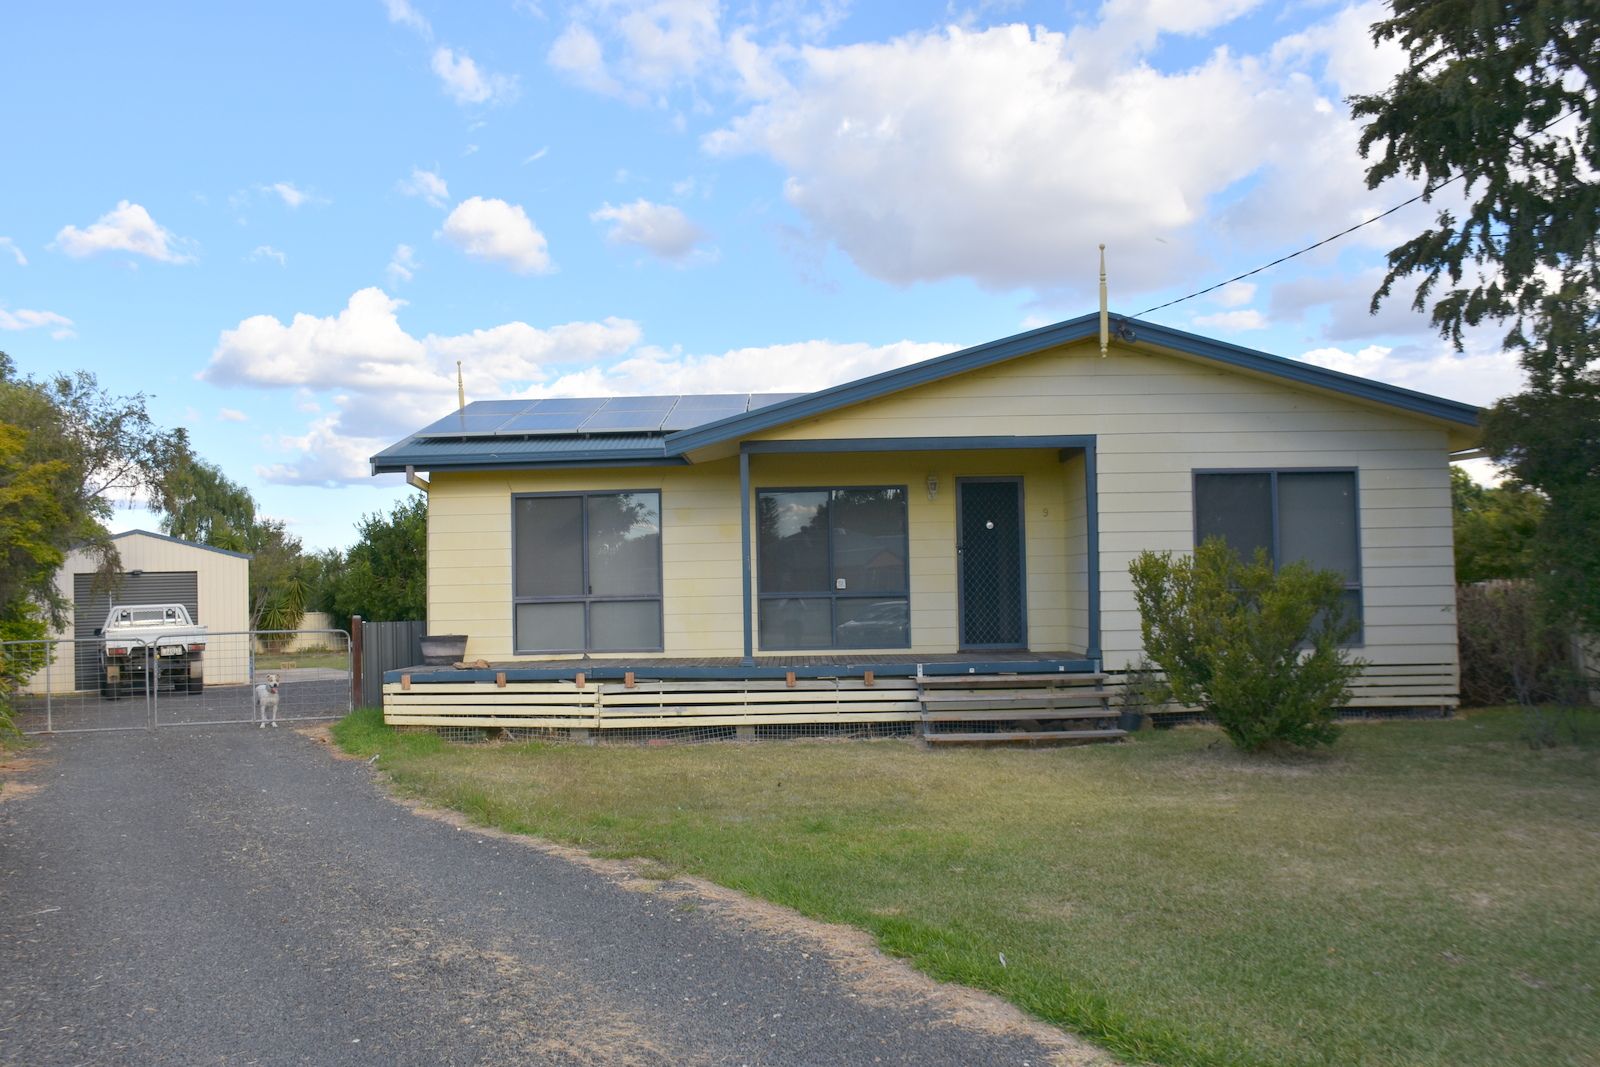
<point x="287" y="222"/>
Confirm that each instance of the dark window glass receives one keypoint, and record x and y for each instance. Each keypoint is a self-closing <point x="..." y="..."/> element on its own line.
<point x="549" y="533"/>
<point x="869" y="540"/>
<point x="554" y="627"/>
<point x="872" y="623"/>
<point x="826" y="557"/>
<point x="1317" y="520"/>
<point x="625" y="544"/>
<point x="794" y="542"/>
<point x="1311" y="516"/>
<point x="796" y="622"/>
<point x="587" y="572"/>
<point x="624" y="625"/>
<point x="1236" y="508"/>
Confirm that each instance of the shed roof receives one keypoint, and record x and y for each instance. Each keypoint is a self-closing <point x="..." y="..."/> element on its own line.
<point x="437" y="448"/>
<point x="181" y="541"/>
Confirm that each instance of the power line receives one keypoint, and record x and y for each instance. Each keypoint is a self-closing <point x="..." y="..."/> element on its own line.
<point x="1429" y="191"/>
<point x="1308" y="248"/>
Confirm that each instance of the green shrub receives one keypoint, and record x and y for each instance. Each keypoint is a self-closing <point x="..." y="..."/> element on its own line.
<point x="23" y="653"/>
<point x="1258" y="650"/>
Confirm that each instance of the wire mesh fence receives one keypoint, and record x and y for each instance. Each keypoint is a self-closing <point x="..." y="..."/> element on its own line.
<point x="261" y="677"/>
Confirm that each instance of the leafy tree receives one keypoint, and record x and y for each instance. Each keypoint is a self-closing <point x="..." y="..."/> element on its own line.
<point x="1259" y="651"/>
<point x="199" y="503"/>
<point x="1495" y="528"/>
<point x="384" y="575"/>
<point x="1502" y="97"/>
<point x="66" y="446"/>
<point x="69" y="448"/>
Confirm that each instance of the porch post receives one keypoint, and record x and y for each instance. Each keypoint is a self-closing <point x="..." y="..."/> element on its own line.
<point x="1091" y="492"/>
<point x="744" y="539"/>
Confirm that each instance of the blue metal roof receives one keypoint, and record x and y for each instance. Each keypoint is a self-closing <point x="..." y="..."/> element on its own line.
<point x="464" y="441"/>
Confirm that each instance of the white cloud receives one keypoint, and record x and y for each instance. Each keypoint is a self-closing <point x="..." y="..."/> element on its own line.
<point x="11" y="246"/>
<point x="1344" y="300"/>
<point x="426" y="184"/>
<point x="402" y="265"/>
<point x="467" y="83"/>
<point x="290" y="194"/>
<point x="386" y="382"/>
<point x="126" y="228"/>
<point x="540" y="154"/>
<point x="1028" y="182"/>
<point x="1047" y="143"/>
<point x="268" y="252"/>
<point x="60" y="326"/>
<point x="494" y="230"/>
<point x="661" y="228"/>
<point x="231" y="415"/>
<point x="362" y="346"/>
<point x="401" y="13"/>
<point x="799" y="367"/>
<point x="1342" y="45"/>
<point x="1477" y="377"/>
<point x="657" y="44"/>
<point x="577" y="54"/>
<point x="1233" y="321"/>
<point x="1235" y="294"/>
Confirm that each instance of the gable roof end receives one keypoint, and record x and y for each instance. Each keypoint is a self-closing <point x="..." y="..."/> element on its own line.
<point x="1046" y="337"/>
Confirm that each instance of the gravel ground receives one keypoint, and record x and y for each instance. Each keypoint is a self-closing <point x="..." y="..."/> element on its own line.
<point x="239" y="896"/>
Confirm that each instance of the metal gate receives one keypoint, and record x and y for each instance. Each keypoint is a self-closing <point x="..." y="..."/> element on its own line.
<point x="311" y="668"/>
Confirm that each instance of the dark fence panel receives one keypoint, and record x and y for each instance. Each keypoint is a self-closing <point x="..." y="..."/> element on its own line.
<point x="387" y="646"/>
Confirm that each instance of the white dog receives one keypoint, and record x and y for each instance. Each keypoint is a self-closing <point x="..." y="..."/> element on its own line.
<point x="267" y="701"/>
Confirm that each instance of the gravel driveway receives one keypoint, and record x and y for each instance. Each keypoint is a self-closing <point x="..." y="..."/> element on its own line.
<point x="238" y="896"/>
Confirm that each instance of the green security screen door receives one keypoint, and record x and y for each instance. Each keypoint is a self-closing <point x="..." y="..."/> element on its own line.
<point x="990" y="549"/>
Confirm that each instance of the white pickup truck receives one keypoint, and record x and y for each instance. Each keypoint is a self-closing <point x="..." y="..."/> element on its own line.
<point x="158" y="644"/>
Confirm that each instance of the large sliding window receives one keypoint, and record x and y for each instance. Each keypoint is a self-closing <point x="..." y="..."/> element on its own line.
<point x="1308" y="515"/>
<point x="587" y="574"/>
<point x="833" y="568"/>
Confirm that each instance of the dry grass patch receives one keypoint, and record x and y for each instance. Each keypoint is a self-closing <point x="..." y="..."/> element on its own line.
<point x="1424" y="895"/>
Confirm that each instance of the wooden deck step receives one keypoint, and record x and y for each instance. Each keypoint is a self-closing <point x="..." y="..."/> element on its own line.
<point x="1011" y="698"/>
<point x="1005" y="681"/>
<point x="1003" y="714"/>
<point x="1025" y="736"/>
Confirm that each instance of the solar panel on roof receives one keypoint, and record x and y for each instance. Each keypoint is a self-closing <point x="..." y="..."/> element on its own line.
<point x="544" y="422"/>
<point x="623" y="422"/>
<point x="569" y="403"/>
<point x="640" y="403"/>
<point x="497" y="407"/>
<point x="456" y="424"/>
<point x="761" y="400"/>
<point x="712" y="400"/>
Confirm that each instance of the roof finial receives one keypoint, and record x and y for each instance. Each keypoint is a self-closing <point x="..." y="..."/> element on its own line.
<point x="461" y="389"/>
<point x="1105" y="314"/>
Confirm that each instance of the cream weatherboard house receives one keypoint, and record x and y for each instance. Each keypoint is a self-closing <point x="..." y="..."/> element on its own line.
<point x="941" y="548"/>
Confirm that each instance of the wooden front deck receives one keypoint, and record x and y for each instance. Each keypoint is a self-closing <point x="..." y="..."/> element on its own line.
<point x="1026" y="696"/>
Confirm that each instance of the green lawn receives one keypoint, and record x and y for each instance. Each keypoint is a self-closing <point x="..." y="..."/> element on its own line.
<point x="1428" y="893"/>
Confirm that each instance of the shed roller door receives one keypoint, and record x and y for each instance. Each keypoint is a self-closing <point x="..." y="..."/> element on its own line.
<point x="90" y="607"/>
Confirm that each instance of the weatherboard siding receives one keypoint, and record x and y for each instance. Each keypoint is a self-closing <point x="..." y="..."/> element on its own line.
<point x="1157" y="419"/>
<point x="469" y="544"/>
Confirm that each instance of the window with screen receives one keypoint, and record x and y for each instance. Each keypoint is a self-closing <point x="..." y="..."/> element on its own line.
<point x="587" y="572"/>
<point x="1309" y="516"/>
<point x="832" y="568"/>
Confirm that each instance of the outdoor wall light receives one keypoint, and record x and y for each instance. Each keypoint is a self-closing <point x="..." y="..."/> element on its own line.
<point x="933" y="486"/>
